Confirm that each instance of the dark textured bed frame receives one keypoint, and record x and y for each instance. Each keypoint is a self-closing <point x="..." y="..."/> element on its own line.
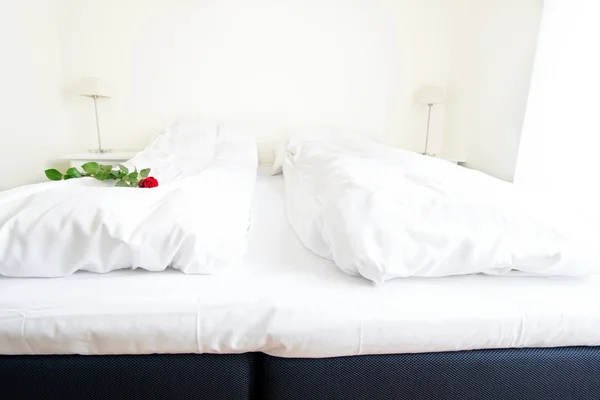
<point x="506" y="374"/>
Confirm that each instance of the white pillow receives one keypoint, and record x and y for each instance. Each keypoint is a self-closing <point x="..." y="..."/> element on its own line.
<point x="195" y="221"/>
<point x="384" y="213"/>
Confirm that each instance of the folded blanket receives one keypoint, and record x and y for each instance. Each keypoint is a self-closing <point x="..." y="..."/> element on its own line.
<point x="384" y="213"/>
<point x="196" y="220"/>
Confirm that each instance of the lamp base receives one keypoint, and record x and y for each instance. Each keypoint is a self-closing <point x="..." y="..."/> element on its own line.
<point x="99" y="151"/>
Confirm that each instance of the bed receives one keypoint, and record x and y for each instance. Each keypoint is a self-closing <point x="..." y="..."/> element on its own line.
<point x="287" y="324"/>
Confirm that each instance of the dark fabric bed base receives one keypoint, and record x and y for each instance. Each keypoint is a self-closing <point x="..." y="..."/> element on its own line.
<point x="544" y="374"/>
<point x="129" y="377"/>
<point x="520" y="374"/>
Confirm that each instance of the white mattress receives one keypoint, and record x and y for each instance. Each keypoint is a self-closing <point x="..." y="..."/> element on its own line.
<point x="286" y="301"/>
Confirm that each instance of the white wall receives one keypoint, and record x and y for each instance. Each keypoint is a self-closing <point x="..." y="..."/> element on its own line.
<point x="268" y="63"/>
<point x="494" y="44"/>
<point x="561" y="136"/>
<point x="272" y="64"/>
<point x="32" y="130"/>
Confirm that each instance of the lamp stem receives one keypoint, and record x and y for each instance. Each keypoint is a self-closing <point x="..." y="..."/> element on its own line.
<point x="428" y="123"/>
<point x="98" y="124"/>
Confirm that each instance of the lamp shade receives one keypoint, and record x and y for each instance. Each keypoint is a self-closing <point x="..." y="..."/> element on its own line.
<point x="91" y="87"/>
<point x="430" y="95"/>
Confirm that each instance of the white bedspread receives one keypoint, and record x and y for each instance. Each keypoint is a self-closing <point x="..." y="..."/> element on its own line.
<point x="384" y="213"/>
<point x="286" y="301"/>
<point x="196" y="220"/>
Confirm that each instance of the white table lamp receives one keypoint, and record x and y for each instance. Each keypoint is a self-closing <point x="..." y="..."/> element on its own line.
<point x="430" y="96"/>
<point x="96" y="89"/>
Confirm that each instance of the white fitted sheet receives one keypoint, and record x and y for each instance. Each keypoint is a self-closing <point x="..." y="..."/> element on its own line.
<point x="286" y="301"/>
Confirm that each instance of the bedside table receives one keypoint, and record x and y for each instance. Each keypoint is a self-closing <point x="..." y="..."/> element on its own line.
<point x="113" y="158"/>
<point x="456" y="161"/>
<point x="452" y="160"/>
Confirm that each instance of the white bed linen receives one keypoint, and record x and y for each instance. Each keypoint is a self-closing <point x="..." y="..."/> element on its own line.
<point x="196" y="220"/>
<point x="286" y="301"/>
<point x="386" y="213"/>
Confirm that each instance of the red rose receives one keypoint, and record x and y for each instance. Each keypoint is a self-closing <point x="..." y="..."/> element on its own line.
<point x="148" y="182"/>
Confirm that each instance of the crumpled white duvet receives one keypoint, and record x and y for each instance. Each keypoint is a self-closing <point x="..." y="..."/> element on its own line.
<point x="385" y="213"/>
<point x="196" y="220"/>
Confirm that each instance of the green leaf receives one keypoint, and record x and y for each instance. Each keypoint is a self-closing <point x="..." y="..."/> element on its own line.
<point x="133" y="184"/>
<point x="145" y="172"/>
<point x="73" y="173"/>
<point x="53" y="174"/>
<point x="102" y="176"/>
<point x="121" y="184"/>
<point x="124" y="169"/>
<point x="114" y="174"/>
<point x="133" y="175"/>
<point x="105" y="168"/>
<point x="90" y="167"/>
